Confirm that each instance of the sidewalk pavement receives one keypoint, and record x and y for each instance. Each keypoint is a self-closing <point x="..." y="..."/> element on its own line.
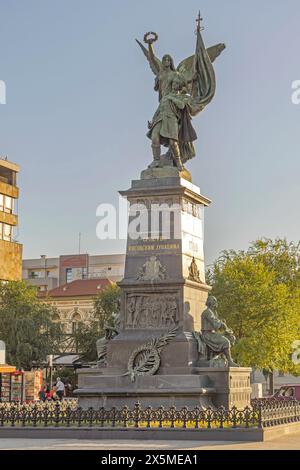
<point x="291" y="442"/>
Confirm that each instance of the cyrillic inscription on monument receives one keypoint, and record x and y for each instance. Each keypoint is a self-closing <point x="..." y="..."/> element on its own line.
<point x="155" y="247"/>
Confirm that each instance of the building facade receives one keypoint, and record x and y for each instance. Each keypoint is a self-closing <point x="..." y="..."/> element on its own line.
<point x="74" y="302"/>
<point x="49" y="273"/>
<point x="10" y="250"/>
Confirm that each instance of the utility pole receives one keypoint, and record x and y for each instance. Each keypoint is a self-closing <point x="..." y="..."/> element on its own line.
<point x="44" y="257"/>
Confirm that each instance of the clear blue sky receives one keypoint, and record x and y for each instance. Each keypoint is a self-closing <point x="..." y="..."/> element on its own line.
<point x="79" y="94"/>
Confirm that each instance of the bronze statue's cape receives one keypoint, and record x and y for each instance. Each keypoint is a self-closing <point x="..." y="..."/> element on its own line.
<point x="202" y="88"/>
<point x="187" y="135"/>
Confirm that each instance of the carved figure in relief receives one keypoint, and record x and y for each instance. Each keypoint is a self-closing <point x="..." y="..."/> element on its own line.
<point x="151" y="311"/>
<point x="152" y="270"/>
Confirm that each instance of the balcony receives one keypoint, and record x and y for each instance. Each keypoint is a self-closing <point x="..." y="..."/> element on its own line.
<point x="9" y="190"/>
<point x="48" y="282"/>
<point x="9" y="219"/>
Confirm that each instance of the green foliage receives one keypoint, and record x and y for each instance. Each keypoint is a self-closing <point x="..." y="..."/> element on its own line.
<point x="26" y="325"/>
<point x="65" y="374"/>
<point x="85" y="338"/>
<point x="281" y="257"/>
<point x="106" y="305"/>
<point x="259" y="297"/>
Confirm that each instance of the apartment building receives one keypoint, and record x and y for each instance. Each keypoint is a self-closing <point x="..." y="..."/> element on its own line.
<point x="49" y="273"/>
<point x="10" y="250"/>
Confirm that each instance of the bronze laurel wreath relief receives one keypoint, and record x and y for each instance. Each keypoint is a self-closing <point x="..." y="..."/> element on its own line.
<point x="145" y="360"/>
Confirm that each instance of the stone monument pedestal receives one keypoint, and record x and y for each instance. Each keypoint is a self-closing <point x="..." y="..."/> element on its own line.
<point x="202" y="387"/>
<point x="154" y="359"/>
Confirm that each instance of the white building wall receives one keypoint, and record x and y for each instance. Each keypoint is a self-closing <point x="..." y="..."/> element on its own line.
<point x="100" y="266"/>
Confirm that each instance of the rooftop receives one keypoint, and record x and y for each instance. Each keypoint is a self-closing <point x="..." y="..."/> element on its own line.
<point x="9" y="165"/>
<point x="85" y="287"/>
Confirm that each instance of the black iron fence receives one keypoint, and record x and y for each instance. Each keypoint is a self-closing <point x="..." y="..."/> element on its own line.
<point x="61" y="414"/>
<point x="274" y="411"/>
<point x="270" y="401"/>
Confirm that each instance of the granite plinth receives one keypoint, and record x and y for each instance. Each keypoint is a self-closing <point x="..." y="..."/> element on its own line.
<point x="154" y="391"/>
<point x="203" y="387"/>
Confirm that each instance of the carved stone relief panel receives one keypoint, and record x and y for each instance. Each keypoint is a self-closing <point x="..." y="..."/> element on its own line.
<point x="152" y="270"/>
<point x="151" y="311"/>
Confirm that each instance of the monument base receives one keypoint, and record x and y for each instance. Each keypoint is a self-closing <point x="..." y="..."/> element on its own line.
<point x="154" y="358"/>
<point x="203" y="387"/>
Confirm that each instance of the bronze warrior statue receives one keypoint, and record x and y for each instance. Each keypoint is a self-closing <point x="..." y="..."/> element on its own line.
<point x="183" y="93"/>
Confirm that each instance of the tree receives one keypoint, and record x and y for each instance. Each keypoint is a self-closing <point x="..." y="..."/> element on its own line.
<point x="106" y="306"/>
<point x="85" y="337"/>
<point x="26" y="325"/>
<point x="67" y="374"/>
<point x="259" y="296"/>
<point x="281" y="257"/>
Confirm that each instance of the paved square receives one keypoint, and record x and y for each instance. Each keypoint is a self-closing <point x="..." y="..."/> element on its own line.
<point x="291" y="442"/>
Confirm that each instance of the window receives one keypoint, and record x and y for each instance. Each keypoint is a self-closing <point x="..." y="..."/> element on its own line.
<point x="6" y="204"/>
<point x="76" y="319"/>
<point x="69" y="275"/>
<point x="7" y="229"/>
<point x="5" y="232"/>
<point x="76" y="316"/>
<point x="35" y="274"/>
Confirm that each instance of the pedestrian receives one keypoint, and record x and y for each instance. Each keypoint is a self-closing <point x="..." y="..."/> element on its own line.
<point x="52" y="393"/>
<point x="60" y="388"/>
<point x="42" y="393"/>
<point x="48" y="393"/>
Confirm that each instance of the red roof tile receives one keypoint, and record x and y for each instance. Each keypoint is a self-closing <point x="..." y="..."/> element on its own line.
<point x="85" y="287"/>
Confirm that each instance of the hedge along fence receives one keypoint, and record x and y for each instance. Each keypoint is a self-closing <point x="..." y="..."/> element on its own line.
<point x="68" y="414"/>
